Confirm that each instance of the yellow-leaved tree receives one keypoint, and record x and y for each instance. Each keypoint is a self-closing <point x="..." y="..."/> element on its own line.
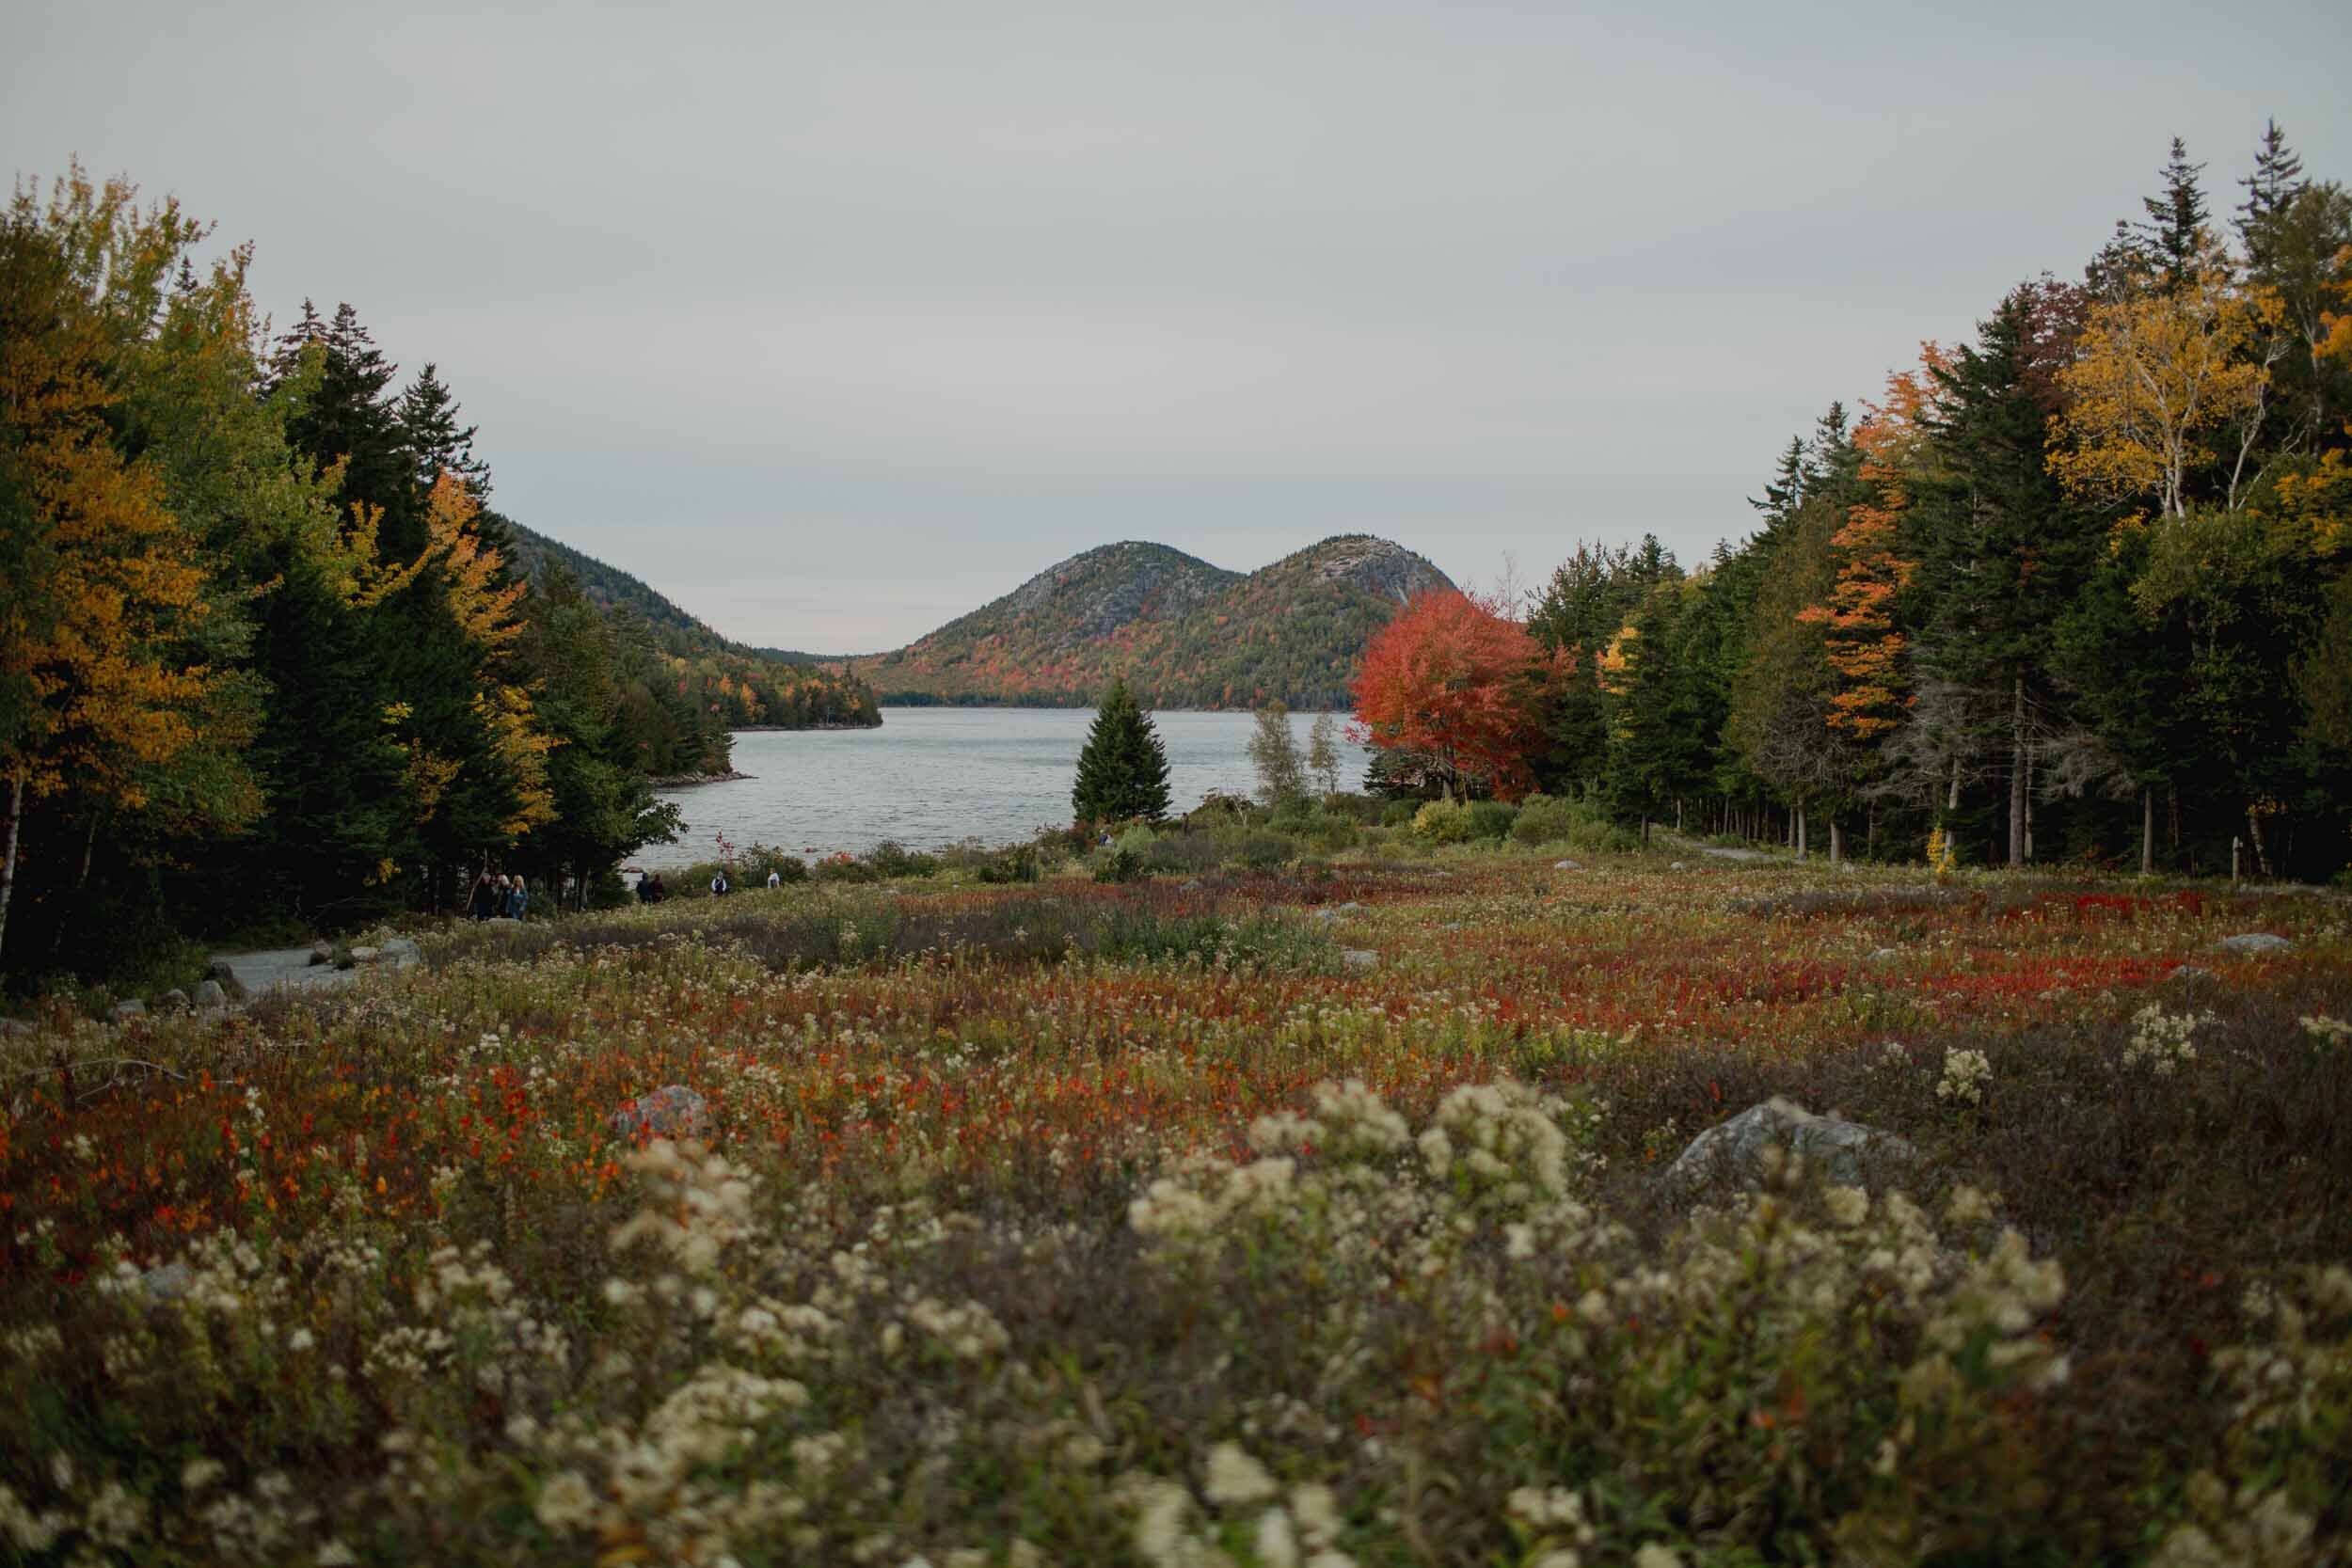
<point x="102" y="589"/>
<point x="2158" y="375"/>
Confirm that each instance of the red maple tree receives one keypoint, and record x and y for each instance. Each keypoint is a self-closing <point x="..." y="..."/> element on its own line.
<point x="1459" y="686"/>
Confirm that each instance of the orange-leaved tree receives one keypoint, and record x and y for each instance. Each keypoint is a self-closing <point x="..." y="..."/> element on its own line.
<point x="1856" y="618"/>
<point x="103" y="587"/>
<point x="1459" y="685"/>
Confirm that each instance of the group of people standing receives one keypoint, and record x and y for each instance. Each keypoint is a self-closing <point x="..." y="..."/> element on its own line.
<point x="651" y="889"/>
<point x="499" y="895"/>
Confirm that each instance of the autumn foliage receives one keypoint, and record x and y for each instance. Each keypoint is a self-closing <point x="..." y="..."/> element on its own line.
<point x="1458" y="684"/>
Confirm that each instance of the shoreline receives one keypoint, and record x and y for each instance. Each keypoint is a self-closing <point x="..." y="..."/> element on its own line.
<point x="688" y="781"/>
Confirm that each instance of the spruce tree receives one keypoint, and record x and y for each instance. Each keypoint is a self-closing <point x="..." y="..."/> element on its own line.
<point x="428" y="415"/>
<point x="1123" y="772"/>
<point x="2176" y="219"/>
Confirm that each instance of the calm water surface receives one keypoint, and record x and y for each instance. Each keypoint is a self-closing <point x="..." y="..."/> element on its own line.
<point x="930" y="776"/>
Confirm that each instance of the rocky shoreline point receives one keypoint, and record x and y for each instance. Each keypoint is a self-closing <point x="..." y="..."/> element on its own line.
<point x="686" y="780"/>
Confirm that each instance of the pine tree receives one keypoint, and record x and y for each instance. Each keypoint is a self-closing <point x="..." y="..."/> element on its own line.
<point x="428" y="417"/>
<point x="1123" y="772"/>
<point x="2278" y="176"/>
<point x="2174" y="232"/>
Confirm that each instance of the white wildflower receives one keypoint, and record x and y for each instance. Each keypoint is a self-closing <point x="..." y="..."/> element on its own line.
<point x="1236" y="1478"/>
<point x="1965" y="1074"/>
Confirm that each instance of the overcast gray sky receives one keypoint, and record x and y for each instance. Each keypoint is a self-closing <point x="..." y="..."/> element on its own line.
<point x="833" y="322"/>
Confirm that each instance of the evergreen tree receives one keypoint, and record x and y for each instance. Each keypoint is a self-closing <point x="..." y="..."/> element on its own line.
<point x="428" y="423"/>
<point x="2175" y="231"/>
<point x="2278" y="175"/>
<point x="2002" y="549"/>
<point x="1123" y="772"/>
<point x="1322" y="752"/>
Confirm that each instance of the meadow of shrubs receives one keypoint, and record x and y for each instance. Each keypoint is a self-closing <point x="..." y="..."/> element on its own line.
<point x="1252" y="1190"/>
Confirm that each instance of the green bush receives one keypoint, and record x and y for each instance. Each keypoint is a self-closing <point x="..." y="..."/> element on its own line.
<point x="1016" y="864"/>
<point x="1398" y="814"/>
<point x="1266" y="851"/>
<point x="1554" y="819"/>
<point x="891" y="858"/>
<point x="1488" y="819"/>
<point x="1120" y="863"/>
<point x="1441" y="822"/>
<point x="1189" y="852"/>
<point x="1327" y="832"/>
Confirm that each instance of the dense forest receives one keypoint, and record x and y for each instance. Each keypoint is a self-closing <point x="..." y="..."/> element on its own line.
<point x="268" y="654"/>
<point x="1180" y="632"/>
<point x="2073" y="590"/>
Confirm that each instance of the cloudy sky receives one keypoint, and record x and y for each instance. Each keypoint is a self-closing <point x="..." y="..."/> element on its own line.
<point x="833" y="322"/>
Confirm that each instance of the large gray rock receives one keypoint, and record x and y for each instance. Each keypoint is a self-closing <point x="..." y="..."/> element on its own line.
<point x="400" y="952"/>
<point x="2254" y="942"/>
<point x="673" y="1111"/>
<point x="209" y="995"/>
<point x="366" y="955"/>
<point x="505" y="921"/>
<point x="1732" y="1152"/>
<point x="1565" y="865"/>
<point x="173" y="1000"/>
<point x="1339" y="911"/>
<point x="124" y="1011"/>
<point x="220" y="971"/>
<point x="1360" y="961"/>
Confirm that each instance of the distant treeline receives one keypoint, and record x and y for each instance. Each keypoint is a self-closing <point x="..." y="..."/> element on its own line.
<point x="267" y="656"/>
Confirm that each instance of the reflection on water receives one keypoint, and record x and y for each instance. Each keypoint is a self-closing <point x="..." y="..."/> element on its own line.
<point x="932" y="775"/>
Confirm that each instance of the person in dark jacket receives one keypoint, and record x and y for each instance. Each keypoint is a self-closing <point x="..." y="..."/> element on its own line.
<point x="484" y="901"/>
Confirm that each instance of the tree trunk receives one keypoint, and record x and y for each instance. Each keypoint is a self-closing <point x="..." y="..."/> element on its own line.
<point x="2147" y="831"/>
<point x="1871" y="834"/>
<point x="89" y="849"/>
<point x="7" y="865"/>
<point x="2261" y="851"/>
<point x="1802" y="825"/>
<point x="2017" y="776"/>
<point x="1836" y="842"/>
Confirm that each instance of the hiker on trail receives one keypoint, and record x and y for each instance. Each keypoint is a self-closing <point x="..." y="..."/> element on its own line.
<point x="484" y="898"/>
<point x="718" y="888"/>
<point x="775" y="878"/>
<point x="518" y="899"/>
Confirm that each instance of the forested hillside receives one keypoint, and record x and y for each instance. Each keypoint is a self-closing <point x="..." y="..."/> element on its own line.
<point x="741" y="686"/>
<point x="1182" y="633"/>
<point x="2076" y="588"/>
<point x="267" y="653"/>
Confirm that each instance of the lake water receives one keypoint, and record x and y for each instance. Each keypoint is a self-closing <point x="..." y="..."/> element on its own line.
<point x="930" y="776"/>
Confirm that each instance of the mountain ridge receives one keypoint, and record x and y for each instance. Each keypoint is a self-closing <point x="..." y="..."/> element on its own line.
<point x="1183" y="632"/>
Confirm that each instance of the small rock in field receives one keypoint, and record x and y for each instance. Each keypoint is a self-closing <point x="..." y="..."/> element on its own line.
<point x="401" y="951"/>
<point x="124" y="1011"/>
<point x="366" y="955"/>
<point x="209" y="995"/>
<point x="1565" y="865"/>
<point x="507" y="920"/>
<point x="1360" y="959"/>
<point x="1884" y="955"/>
<point x="222" y="974"/>
<point x="1674" y="865"/>
<point x="2189" y="971"/>
<point x="2254" y="942"/>
<point x="1733" y="1152"/>
<point x="322" y="955"/>
<point x="168" y="1282"/>
<point x="673" y="1111"/>
<point x="173" y="1000"/>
